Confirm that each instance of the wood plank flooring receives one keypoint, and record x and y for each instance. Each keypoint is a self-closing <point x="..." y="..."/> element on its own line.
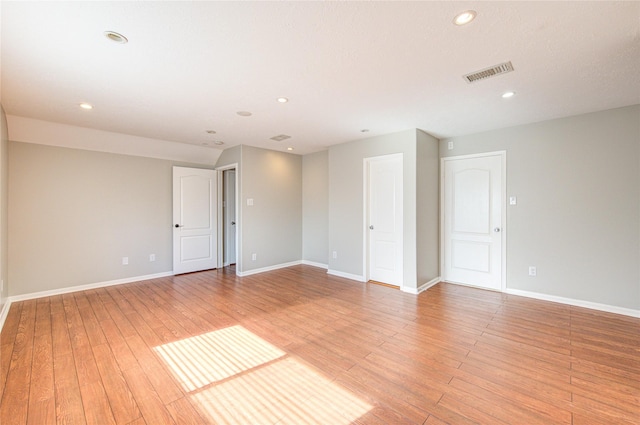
<point x="299" y="346"/>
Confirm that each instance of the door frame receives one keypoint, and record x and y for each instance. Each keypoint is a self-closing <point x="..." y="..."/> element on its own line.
<point x="503" y="213"/>
<point x="365" y="214"/>
<point x="221" y="241"/>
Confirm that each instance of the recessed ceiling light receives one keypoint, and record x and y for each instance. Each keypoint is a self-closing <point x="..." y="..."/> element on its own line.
<point x="508" y="94"/>
<point x="464" y="17"/>
<point x="283" y="100"/>
<point x="289" y="148"/>
<point x="211" y="132"/>
<point x="115" y="37"/>
<point x="244" y="113"/>
<point x="86" y="106"/>
<point x="218" y="143"/>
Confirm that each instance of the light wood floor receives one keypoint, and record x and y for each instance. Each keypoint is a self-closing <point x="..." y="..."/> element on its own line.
<point x="299" y="346"/>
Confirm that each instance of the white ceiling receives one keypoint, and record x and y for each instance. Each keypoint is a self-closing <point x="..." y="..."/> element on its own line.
<point x="345" y="66"/>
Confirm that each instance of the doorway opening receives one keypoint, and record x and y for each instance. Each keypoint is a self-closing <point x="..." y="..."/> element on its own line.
<point x="229" y="218"/>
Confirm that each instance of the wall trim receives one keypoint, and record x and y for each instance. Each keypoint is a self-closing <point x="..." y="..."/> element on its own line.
<point x="4" y="313"/>
<point x="314" y="264"/>
<point x="86" y="287"/>
<point x="577" y="303"/>
<point x="422" y="287"/>
<point x="69" y="289"/>
<point x="269" y="268"/>
<point x="359" y="278"/>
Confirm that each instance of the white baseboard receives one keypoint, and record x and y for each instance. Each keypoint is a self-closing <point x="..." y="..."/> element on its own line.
<point x="359" y="278"/>
<point x="578" y="303"/>
<point x="68" y="289"/>
<point x="422" y="287"/>
<point x="269" y="268"/>
<point x="314" y="264"/>
<point x="4" y="313"/>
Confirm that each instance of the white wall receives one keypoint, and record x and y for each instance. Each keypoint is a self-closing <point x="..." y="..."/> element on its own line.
<point x="577" y="181"/>
<point x="315" y="207"/>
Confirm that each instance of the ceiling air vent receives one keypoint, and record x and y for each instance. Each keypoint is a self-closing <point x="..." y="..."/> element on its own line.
<point x="280" y="137"/>
<point x="489" y="72"/>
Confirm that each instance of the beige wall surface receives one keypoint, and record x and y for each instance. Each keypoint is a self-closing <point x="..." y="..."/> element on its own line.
<point x="315" y="207"/>
<point x="233" y="156"/>
<point x="428" y="207"/>
<point x="73" y="215"/>
<point x="346" y="226"/>
<point x="4" y="190"/>
<point x="577" y="218"/>
<point x="272" y="227"/>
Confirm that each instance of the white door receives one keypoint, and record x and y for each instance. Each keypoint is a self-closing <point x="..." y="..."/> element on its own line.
<point x="385" y="221"/>
<point x="473" y="220"/>
<point x="229" y="211"/>
<point x="194" y="220"/>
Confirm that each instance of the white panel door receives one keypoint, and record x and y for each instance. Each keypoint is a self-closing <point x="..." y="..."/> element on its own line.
<point x="195" y="220"/>
<point x="385" y="224"/>
<point x="229" y="209"/>
<point x="473" y="204"/>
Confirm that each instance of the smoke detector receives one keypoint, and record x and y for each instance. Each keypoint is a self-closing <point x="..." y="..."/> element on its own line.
<point x="493" y="71"/>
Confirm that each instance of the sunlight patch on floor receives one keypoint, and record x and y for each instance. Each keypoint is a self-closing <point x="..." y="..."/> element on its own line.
<point x="283" y="392"/>
<point x="204" y="359"/>
<point x="234" y="377"/>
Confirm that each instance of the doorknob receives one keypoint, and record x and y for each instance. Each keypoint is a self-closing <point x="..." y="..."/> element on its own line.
<point x="179" y="225"/>
<point x="233" y="223"/>
<point x="371" y="227"/>
<point x="497" y="229"/>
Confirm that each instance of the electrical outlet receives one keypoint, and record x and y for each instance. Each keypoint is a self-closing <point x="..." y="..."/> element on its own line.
<point x="450" y="145"/>
<point x="533" y="271"/>
<point x="335" y="254"/>
<point x="152" y="257"/>
<point x="249" y="202"/>
<point x="254" y="257"/>
<point x="125" y="261"/>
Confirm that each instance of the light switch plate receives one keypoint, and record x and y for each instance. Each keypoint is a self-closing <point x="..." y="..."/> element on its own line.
<point x="513" y="200"/>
